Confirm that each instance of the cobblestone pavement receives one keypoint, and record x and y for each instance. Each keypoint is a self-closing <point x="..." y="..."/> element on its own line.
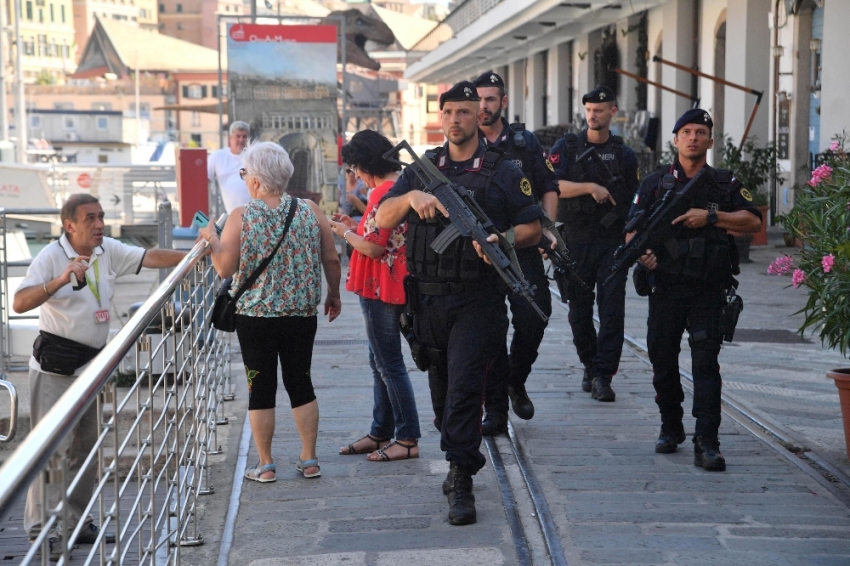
<point x="612" y="499"/>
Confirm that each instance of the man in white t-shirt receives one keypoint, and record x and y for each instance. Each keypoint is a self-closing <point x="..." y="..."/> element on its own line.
<point x="224" y="165"/>
<point x="74" y="326"/>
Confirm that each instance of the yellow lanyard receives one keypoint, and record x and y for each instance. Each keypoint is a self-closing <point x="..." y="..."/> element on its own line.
<point x="95" y="288"/>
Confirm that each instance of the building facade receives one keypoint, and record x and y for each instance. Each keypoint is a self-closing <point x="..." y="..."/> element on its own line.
<point x="551" y="52"/>
<point x="47" y="37"/>
<point x="195" y="20"/>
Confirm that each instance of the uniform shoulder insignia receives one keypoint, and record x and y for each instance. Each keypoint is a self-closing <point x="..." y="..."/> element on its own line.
<point x="525" y="187"/>
<point x="550" y="166"/>
<point x="746" y="194"/>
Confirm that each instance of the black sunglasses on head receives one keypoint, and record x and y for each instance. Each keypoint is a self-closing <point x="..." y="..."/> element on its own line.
<point x="242" y="173"/>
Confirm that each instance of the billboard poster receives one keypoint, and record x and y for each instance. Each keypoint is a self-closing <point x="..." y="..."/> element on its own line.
<point x="282" y="81"/>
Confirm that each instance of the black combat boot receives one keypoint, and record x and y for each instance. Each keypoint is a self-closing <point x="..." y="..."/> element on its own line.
<point x="707" y="454"/>
<point x="522" y="405"/>
<point x="601" y="389"/>
<point x="494" y="423"/>
<point x="587" y="380"/>
<point x="461" y="500"/>
<point x="672" y="435"/>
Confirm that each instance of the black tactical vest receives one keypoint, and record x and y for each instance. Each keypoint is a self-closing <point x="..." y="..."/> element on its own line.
<point x="460" y="263"/>
<point x="708" y="253"/>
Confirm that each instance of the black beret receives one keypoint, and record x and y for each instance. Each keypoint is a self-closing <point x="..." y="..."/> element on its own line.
<point x="464" y="90"/>
<point x="599" y="94"/>
<point x="489" y="79"/>
<point x="694" y="116"/>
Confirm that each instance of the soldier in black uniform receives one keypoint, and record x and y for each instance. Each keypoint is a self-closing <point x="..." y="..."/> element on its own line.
<point x="457" y="299"/>
<point x="690" y="292"/>
<point x="593" y="219"/>
<point x="521" y="147"/>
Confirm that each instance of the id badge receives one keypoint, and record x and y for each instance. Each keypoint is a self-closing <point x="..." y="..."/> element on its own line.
<point x="101" y="316"/>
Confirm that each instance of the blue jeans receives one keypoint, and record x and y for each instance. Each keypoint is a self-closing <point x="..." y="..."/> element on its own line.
<point x="395" y="405"/>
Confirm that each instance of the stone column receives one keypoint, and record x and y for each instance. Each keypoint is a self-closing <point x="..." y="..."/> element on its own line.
<point x="536" y="92"/>
<point x="516" y="90"/>
<point x="835" y="84"/>
<point x="748" y="56"/>
<point x="678" y="44"/>
<point x="560" y="80"/>
<point x="583" y="70"/>
<point x="800" y="95"/>
<point x="628" y="44"/>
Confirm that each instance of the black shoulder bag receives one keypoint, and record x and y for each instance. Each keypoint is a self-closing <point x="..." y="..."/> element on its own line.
<point x="223" y="316"/>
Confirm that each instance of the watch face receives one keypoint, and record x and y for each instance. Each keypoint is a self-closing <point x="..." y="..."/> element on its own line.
<point x="712" y="217"/>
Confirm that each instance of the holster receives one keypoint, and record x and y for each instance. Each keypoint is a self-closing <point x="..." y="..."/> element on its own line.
<point x="562" y="280"/>
<point x="405" y="320"/>
<point x="63" y="356"/>
<point x="641" y="279"/>
<point x="732" y="307"/>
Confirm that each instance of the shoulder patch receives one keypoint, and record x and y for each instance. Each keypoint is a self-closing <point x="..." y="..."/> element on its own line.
<point x="525" y="187"/>
<point x="550" y="166"/>
<point x="746" y="194"/>
<point x="554" y="158"/>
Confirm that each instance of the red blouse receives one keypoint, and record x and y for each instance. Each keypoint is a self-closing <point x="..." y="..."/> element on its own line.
<point x="381" y="278"/>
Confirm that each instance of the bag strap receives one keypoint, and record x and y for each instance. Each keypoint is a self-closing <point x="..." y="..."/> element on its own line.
<point x="253" y="277"/>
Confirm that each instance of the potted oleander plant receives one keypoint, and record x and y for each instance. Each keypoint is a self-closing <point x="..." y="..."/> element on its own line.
<point x="820" y="221"/>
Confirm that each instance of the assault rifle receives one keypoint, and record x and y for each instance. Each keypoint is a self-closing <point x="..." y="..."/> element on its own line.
<point x="607" y="180"/>
<point x="467" y="219"/>
<point x="560" y="258"/>
<point x="654" y="229"/>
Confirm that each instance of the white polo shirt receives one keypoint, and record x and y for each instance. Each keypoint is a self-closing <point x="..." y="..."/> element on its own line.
<point x="69" y="313"/>
<point x="224" y="166"/>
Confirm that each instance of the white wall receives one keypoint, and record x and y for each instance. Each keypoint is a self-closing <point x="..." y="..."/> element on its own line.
<point x="516" y="90"/>
<point x="835" y="108"/>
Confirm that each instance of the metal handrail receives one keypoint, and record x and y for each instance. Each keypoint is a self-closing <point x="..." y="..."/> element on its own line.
<point x="32" y="455"/>
<point x="13" y="411"/>
<point x="172" y="422"/>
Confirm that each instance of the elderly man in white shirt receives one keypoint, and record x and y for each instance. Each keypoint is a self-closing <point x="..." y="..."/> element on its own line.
<point x="73" y="280"/>
<point x="224" y="165"/>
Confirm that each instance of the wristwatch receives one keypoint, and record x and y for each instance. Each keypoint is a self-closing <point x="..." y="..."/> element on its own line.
<point x="712" y="217"/>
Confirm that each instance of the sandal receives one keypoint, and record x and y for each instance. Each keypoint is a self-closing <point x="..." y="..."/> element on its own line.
<point x="255" y="473"/>
<point x="383" y="457"/>
<point x="302" y="466"/>
<point x="379" y="443"/>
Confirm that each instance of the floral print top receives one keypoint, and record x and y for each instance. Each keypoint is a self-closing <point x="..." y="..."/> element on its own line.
<point x="381" y="278"/>
<point x="291" y="285"/>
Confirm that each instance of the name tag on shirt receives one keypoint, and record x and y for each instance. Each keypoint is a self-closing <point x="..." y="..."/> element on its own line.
<point x="101" y="316"/>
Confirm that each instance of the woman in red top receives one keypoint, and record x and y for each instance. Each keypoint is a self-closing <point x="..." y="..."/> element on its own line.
<point x="376" y="273"/>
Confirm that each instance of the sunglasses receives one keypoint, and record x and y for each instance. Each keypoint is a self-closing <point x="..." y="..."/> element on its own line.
<point x="242" y="173"/>
<point x="352" y="170"/>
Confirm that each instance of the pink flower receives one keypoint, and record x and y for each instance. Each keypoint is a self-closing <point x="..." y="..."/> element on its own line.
<point x="833" y="146"/>
<point x="798" y="277"/>
<point x="827" y="262"/>
<point x="781" y="266"/>
<point x="819" y="174"/>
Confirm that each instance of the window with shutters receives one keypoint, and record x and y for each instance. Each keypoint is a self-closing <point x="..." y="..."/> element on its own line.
<point x="194" y="91"/>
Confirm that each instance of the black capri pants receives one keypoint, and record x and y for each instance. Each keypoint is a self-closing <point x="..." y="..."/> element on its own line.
<point x="263" y="342"/>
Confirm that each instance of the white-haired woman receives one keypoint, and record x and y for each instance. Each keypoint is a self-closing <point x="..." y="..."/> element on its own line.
<point x="277" y="316"/>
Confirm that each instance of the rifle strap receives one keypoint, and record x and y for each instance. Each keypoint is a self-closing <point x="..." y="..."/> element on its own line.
<point x="510" y="250"/>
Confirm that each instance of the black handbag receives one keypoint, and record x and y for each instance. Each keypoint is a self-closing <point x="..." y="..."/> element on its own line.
<point x="223" y="316"/>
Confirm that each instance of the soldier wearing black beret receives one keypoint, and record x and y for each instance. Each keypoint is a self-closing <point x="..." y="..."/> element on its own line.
<point x="522" y="147"/>
<point x="593" y="207"/>
<point x="457" y="299"/>
<point x="689" y="291"/>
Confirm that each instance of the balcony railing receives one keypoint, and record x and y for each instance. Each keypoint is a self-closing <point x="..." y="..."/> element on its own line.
<point x="461" y="17"/>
